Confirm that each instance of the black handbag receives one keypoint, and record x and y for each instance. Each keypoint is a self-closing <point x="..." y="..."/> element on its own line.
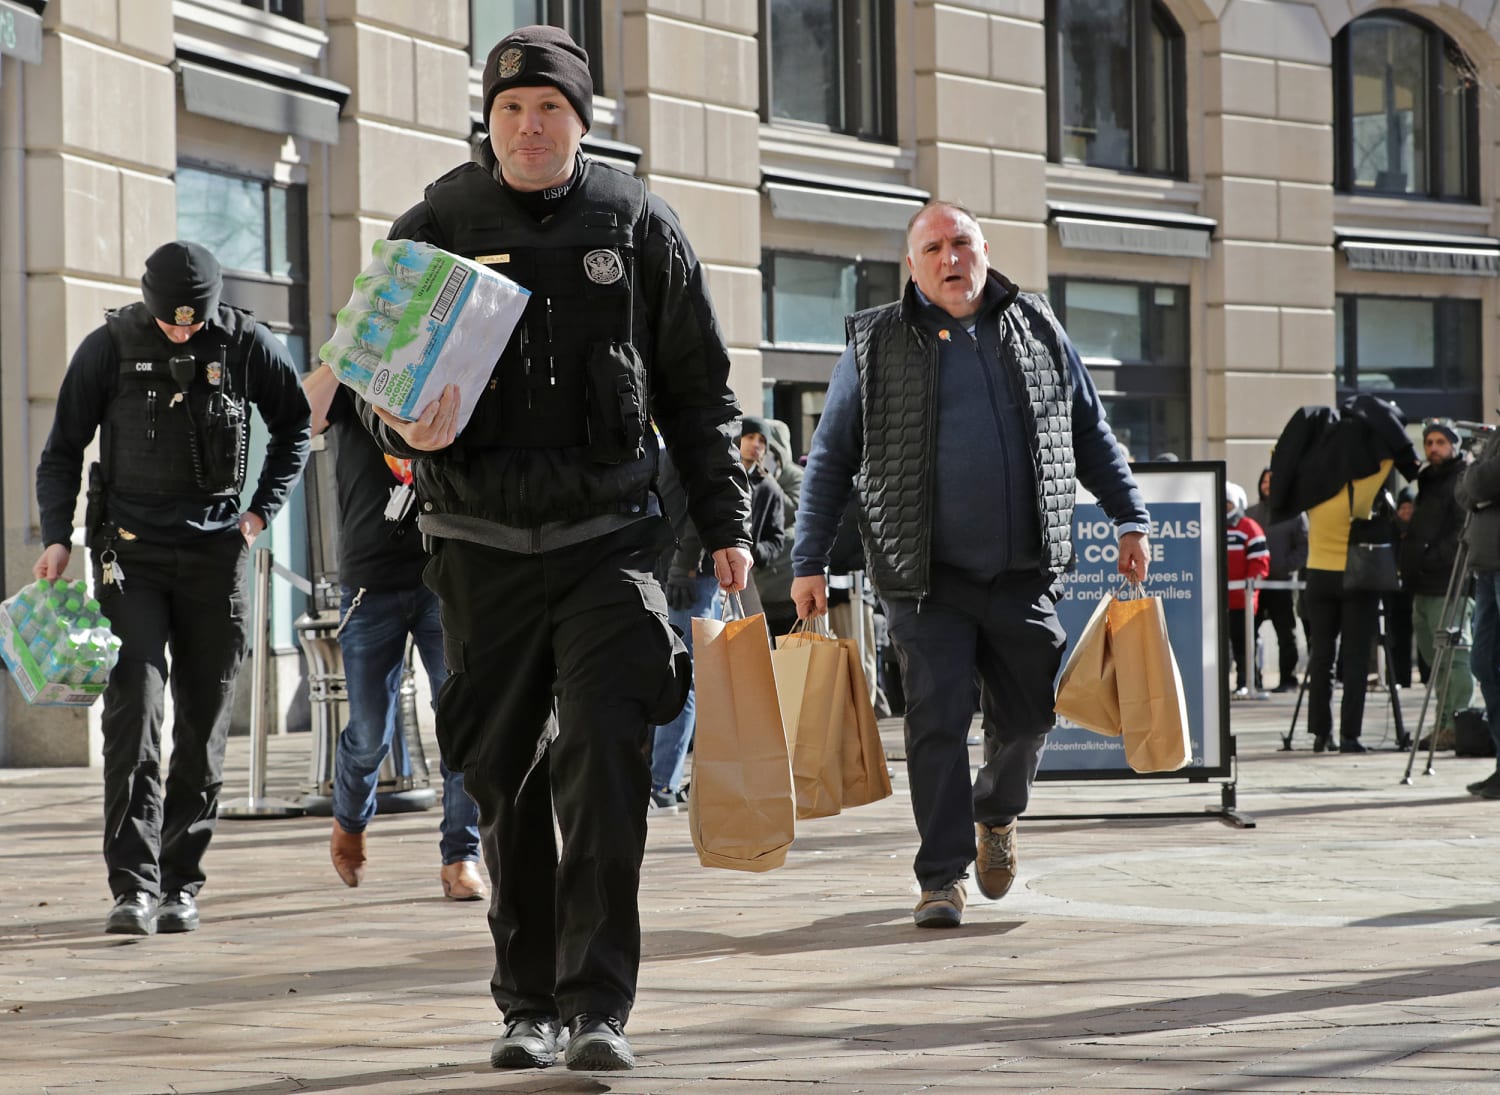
<point x="1370" y="565"/>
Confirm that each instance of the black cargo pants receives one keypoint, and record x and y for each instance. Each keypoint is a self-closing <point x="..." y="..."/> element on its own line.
<point x="582" y="630"/>
<point x="189" y="598"/>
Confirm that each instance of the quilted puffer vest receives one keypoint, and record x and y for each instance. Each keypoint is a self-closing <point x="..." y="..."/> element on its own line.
<point x="897" y="360"/>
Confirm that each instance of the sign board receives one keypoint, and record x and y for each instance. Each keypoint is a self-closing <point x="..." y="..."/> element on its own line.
<point x="20" y="32"/>
<point x="1187" y="542"/>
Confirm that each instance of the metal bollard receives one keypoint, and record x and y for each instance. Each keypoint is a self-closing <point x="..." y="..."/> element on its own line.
<point x="257" y="804"/>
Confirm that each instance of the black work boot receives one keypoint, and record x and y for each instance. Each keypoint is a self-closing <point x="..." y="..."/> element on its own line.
<point x="178" y="912"/>
<point x="134" y="914"/>
<point x="529" y="1041"/>
<point x="597" y="1043"/>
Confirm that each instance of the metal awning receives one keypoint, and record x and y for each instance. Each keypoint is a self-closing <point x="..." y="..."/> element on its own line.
<point x="827" y="199"/>
<point x="1393" y="252"/>
<point x="232" y="89"/>
<point x="1132" y="231"/>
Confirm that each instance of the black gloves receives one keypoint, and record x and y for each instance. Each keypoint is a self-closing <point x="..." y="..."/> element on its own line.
<point x="681" y="592"/>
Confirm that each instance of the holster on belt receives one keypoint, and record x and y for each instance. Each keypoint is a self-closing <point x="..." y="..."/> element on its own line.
<point x="93" y="513"/>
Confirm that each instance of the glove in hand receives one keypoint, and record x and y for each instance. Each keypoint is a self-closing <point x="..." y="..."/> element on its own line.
<point x="681" y="592"/>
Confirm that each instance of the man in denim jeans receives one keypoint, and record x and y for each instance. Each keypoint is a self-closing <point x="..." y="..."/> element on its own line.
<point x="383" y="601"/>
<point x="1478" y="491"/>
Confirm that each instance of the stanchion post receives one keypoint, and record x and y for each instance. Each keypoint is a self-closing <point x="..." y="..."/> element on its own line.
<point x="257" y="804"/>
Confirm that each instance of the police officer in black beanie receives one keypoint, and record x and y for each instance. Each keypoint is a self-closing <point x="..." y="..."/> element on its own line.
<point x="169" y="381"/>
<point x="547" y="529"/>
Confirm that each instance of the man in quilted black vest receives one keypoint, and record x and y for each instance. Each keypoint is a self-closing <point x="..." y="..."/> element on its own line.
<point x="965" y="372"/>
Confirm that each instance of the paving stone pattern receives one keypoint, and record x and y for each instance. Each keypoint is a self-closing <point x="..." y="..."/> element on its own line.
<point x="1350" y="942"/>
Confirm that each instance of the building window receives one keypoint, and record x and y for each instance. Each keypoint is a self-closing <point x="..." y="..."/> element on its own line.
<point x="1133" y="338"/>
<point x="492" y="20"/>
<point x="828" y="64"/>
<point x="1421" y="353"/>
<point x="258" y="232"/>
<point x="287" y="9"/>
<point x="1115" y="86"/>
<point x="257" y="229"/>
<point x="806" y="297"/>
<point x="1405" y="111"/>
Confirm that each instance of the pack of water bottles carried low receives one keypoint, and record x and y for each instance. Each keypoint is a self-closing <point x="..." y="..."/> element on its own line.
<point x="57" y="644"/>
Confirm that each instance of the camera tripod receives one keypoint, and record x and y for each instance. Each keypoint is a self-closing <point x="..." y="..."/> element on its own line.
<point x="1392" y="689"/>
<point x="1446" y="640"/>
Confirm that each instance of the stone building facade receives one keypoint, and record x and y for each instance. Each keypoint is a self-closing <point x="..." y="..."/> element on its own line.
<point x="1239" y="206"/>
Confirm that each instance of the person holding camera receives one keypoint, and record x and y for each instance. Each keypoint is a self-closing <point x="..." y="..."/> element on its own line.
<point x="168" y="382"/>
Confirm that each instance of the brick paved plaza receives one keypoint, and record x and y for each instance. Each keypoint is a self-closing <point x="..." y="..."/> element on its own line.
<point x="1350" y="942"/>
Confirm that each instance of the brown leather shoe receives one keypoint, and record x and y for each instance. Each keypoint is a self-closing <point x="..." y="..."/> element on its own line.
<point x="995" y="860"/>
<point x="942" y="908"/>
<point x="347" y="850"/>
<point x="463" y="882"/>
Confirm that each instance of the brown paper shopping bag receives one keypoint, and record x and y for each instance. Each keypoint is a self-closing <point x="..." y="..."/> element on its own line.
<point x="866" y="778"/>
<point x="1087" y="694"/>
<point x="1153" y="709"/>
<point x="812" y="684"/>
<point x="740" y="813"/>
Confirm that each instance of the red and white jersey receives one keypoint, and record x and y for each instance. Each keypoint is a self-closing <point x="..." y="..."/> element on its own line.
<point x="1248" y="557"/>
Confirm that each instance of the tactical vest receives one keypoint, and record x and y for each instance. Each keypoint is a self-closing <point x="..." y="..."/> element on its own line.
<point x="177" y="422"/>
<point x="898" y="366"/>
<point x="564" y="421"/>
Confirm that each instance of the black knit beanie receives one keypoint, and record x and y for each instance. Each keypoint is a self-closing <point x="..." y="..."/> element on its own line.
<point x="1443" y="426"/>
<point x="182" y="283"/>
<point x="752" y="424"/>
<point x="539" y="56"/>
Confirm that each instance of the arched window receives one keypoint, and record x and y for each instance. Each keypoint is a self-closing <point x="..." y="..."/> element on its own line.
<point x="1115" y="85"/>
<point x="1405" y="111"/>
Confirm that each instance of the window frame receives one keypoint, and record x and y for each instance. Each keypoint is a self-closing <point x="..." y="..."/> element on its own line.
<point x="1150" y="379"/>
<point x="852" y="69"/>
<point x="862" y="288"/>
<point x="289" y="9"/>
<point x="295" y="283"/>
<point x="582" y="19"/>
<point x="1144" y="14"/>
<point x="1439" y="399"/>
<point x="1437" y="44"/>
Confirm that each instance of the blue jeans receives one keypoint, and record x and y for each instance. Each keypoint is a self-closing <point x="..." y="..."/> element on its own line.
<point x="374" y="650"/>
<point x="1484" y="653"/>
<point x="669" y="750"/>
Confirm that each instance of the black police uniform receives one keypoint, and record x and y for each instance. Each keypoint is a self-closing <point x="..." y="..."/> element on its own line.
<point x="547" y="536"/>
<point x="163" y="508"/>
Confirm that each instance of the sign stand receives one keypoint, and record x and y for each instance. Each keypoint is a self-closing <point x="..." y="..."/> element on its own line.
<point x="1186" y="500"/>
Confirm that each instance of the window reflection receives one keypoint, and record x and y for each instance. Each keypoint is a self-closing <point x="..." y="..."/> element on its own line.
<point x="226" y="214"/>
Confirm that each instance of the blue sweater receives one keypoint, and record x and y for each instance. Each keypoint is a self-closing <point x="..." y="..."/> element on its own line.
<point x="983" y="524"/>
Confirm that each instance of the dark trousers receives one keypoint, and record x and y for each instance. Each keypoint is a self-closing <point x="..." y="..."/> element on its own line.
<point x="1007" y="632"/>
<point x="192" y="599"/>
<point x="1347" y="620"/>
<point x="582" y="630"/>
<point x="1277" y="606"/>
<point x="1237" y="647"/>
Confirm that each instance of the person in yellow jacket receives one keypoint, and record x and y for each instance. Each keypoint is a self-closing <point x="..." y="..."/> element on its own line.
<point x="1336" y="615"/>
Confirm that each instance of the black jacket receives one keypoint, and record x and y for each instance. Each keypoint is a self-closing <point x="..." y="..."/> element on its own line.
<point x="1478" y="491"/>
<point x="1431" y="543"/>
<point x="1322" y="449"/>
<point x="88" y="387"/>
<point x="1287" y="540"/>
<point x="679" y="343"/>
<point x="767" y="517"/>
